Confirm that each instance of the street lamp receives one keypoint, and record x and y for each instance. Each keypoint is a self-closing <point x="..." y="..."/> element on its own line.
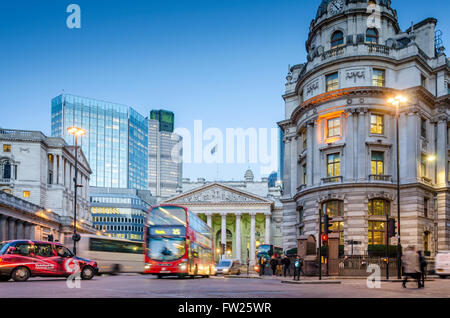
<point x="396" y="102"/>
<point x="76" y="132"/>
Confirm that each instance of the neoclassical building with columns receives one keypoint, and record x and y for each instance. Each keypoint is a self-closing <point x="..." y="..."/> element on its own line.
<point x="242" y="214"/>
<point x="339" y="130"/>
<point x="40" y="170"/>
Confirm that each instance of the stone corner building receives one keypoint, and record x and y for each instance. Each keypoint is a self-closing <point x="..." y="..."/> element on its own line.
<point x="340" y="132"/>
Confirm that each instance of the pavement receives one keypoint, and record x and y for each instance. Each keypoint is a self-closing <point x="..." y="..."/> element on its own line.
<point x="143" y="286"/>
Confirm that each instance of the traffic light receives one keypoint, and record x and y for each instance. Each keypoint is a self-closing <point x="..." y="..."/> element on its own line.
<point x="391" y="226"/>
<point x="327" y="224"/>
<point x="324" y="238"/>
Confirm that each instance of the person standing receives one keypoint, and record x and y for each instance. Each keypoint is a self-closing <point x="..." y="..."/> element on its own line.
<point x="411" y="266"/>
<point x="423" y="268"/>
<point x="273" y="265"/>
<point x="297" y="267"/>
<point x="286" y="265"/>
<point x="262" y="265"/>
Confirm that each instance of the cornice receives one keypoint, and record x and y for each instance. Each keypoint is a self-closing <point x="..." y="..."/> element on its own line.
<point x="419" y="93"/>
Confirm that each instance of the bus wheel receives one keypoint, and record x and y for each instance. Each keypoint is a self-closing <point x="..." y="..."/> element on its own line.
<point x="159" y="276"/>
<point x="20" y="274"/>
<point x="443" y="276"/>
<point x="87" y="273"/>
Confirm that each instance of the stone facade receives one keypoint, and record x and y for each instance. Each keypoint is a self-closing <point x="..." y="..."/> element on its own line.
<point x="40" y="170"/>
<point x="340" y="132"/>
<point x="243" y="214"/>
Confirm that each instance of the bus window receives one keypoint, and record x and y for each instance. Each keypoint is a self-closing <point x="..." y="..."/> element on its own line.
<point x="104" y="245"/>
<point x="167" y="248"/>
<point x="168" y="215"/>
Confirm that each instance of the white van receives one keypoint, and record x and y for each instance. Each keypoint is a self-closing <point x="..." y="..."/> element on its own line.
<point x="443" y="264"/>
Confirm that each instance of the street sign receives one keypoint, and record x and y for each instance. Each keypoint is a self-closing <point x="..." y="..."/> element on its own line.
<point x="353" y="242"/>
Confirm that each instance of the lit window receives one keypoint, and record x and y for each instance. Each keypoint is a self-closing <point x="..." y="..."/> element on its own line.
<point x="337" y="39"/>
<point x="377" y="124"/>
<point x="378" y="78"/>
<point x="377" y="233"/>
<point x="334" y="127"/>
<point x="6" y="148"/>
<point x="377" y="163"/>
<point x="372" y="36"/>
<point x="332" y="82"/>
<point x="26" y="194"/>
<point x="379" y="207"/>
<point x="334" y="208"/>
<point x="334" y="165"/>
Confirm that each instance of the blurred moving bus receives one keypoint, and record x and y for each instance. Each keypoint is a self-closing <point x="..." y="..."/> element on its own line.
<point x="112" y="255"/>
<point x="177" y="243"/>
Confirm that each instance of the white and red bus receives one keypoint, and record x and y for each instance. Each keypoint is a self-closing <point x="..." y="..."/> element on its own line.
<point x="177" y="243"/>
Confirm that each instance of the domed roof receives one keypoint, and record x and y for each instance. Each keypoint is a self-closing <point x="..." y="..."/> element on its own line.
<point x="249" y="176"/>
<point x="323" y="7"/>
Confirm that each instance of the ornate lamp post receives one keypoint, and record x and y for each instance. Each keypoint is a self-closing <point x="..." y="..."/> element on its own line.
<point x="76" y="132"/>
<point x="396" y="102"/>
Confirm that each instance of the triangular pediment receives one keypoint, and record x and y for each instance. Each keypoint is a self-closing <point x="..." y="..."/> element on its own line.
<point x="80" y="157"/>
<point x="217" y="193"/>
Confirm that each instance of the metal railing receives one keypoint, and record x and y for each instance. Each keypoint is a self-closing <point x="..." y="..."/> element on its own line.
<point x="378" y="48"/>
<point x="5" y="181"/>
<point x="332" y="179"/>
<point x="379" y="177"/>
<point x="333" y="52"/>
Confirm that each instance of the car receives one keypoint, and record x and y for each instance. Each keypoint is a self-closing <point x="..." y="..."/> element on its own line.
<point x="228" y="267"/>
<point x="442" y="264"/>
<point x="22" y="259"/>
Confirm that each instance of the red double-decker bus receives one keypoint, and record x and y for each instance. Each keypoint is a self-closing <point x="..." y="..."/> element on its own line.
<point x="177" y="243"/>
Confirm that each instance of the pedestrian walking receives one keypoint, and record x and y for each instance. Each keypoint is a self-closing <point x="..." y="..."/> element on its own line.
<point x="273" y="265"/>
<point x="298" y="264"/>
<point x="423" y="268"/>
<point x="286" y="265"/>
<point x="411" y="266"/>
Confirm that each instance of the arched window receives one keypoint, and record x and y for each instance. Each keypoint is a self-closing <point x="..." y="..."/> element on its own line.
<point x="337" y="39"/>
<point x="372" y="36"/>
<point x="5" y="170"/>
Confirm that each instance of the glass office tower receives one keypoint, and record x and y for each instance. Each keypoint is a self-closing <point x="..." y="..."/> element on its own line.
<point x="116" y="143"/>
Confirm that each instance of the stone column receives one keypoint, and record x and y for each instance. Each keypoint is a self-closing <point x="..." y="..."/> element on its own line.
<point x="309" y="153"/>
<point x="294" y="166"/>
<point x="223" y="231"/>
<point x="267" y="238"/>
<point x="3" y="228"/>
<point x="441" y="152"/>
<point x="209" y="219"/>
<point x="55" y="170"/>
<point x="287" y="166"/>
<point x="11" y="229"/>
<point x="238" y="237"/>
<point x="252" y="238"/>
<point x="361" y="146"/>
<point x="19" y="230"/>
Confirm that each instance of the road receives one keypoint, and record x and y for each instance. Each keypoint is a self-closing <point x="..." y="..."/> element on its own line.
<point x="138" y="286"/>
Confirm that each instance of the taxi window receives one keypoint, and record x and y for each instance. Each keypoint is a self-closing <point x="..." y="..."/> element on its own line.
<point x="23" y="249"/>
<point x="43" y="250"/>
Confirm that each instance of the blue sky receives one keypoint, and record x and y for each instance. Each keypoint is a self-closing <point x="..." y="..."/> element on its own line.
<point x="221" y="61"/>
